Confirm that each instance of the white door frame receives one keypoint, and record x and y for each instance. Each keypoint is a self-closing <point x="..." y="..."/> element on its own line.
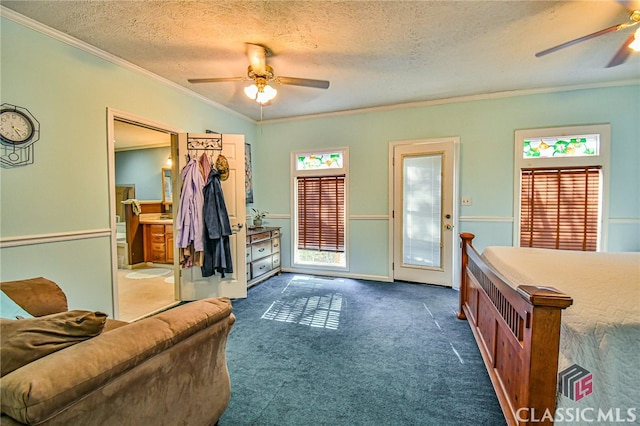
<point x="455" y="140"/>
<point x="112" y="115"/>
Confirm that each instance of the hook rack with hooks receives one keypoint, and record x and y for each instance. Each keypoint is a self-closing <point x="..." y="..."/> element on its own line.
<point x="209" y="144"/>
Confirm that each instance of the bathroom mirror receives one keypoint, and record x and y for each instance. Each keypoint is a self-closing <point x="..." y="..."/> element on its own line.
<point x="167" y="195"/>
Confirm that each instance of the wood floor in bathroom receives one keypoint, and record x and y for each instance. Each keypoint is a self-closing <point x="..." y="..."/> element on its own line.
<point x="142" y="297"/>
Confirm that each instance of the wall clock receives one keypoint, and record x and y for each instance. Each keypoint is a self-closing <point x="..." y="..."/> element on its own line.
<point x="19" y="130"/>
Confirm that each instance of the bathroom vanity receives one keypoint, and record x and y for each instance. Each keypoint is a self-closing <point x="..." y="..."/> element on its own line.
<point x="158" y="237"/>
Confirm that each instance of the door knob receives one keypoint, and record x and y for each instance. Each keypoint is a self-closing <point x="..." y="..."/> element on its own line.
<point x="448" y="226"/>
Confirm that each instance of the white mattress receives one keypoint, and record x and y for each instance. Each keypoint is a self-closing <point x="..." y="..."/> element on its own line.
<point x="601" y="330"/>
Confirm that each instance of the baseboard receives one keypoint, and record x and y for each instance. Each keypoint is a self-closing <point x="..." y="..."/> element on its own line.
<point x="339" y="274"/>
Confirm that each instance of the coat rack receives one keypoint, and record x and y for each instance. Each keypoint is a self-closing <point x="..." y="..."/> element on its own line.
<point x="208" y="143"/>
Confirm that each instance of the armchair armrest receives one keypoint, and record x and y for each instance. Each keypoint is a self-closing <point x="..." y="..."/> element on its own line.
<point x="38" y="296"/>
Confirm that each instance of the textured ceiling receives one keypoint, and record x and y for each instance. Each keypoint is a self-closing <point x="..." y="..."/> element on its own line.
<point x="374" y="53"/>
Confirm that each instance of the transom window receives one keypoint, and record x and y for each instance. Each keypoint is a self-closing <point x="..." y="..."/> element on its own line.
<point x="572" y="146"/>
<point x="332" y="160"/>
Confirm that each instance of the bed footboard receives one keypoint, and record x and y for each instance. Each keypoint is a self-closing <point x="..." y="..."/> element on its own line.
<point x="518" y="334"/>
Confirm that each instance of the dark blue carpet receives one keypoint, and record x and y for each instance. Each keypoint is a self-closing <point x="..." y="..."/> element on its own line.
<point x="321" y="351"/>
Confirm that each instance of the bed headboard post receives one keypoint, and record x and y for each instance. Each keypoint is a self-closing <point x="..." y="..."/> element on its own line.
<point x="466" y="238"/>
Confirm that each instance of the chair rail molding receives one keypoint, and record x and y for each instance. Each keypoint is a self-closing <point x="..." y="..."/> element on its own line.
<point x="624" y="220"/>
<point x="27" y="240"/>
<point x="506" y="219"/>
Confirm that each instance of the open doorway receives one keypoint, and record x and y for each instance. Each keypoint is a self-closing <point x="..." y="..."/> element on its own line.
<point x="140" y="157"/>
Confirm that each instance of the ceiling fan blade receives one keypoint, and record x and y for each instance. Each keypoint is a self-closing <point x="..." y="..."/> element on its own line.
<point x="216" y="80"/>
<point x="307" y="82"/>
<point x="584" y="38"/>
<point x="623" y="53"/>
<point x="257" y="58"/>
<point x="630" y="4"/>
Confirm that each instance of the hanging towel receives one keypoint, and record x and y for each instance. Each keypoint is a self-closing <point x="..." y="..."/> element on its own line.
<point x="217" y="229"/>
<point x="135" y="205"/>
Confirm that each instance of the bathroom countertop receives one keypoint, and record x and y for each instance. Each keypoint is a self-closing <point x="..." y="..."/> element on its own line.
<point x="155" y="219"/>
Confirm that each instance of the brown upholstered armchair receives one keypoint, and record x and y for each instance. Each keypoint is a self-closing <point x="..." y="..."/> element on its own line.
<point x="167" y="369"/>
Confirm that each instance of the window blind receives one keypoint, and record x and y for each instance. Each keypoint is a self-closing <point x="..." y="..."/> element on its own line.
<point x="560" y="208"/>
<point x="321" y="208"/>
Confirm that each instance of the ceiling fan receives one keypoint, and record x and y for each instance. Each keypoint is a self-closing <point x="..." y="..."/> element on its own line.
<point x="632" y="43"/>
<point x="261" y="75"/>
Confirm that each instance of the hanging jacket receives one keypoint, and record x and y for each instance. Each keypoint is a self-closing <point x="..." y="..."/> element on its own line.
<point x="205" y="167"/>
<point x="217" y="229"/>
<point x="190" y="218"/>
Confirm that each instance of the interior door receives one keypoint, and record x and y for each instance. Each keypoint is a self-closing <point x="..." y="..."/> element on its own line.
<point x="423" y="211"/>
<point x="192" y="285"/>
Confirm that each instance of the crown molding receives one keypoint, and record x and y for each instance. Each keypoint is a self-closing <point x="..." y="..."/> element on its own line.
<point x="459" y="99"/>
<point x="86" y="47"/>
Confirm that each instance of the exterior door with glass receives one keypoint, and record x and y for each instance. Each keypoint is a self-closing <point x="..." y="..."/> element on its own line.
<point x="192" y="285"/>
<point x="423" y="211"/>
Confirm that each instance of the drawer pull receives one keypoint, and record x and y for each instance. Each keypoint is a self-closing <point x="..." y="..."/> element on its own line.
<point x="261" y="249"/>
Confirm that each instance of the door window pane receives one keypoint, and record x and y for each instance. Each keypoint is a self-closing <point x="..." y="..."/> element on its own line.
<point x="422" y="212"/>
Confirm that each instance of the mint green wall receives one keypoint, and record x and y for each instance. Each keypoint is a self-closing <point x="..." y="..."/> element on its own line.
<point x="66" y="189"/>
<point x="486" y="130"/>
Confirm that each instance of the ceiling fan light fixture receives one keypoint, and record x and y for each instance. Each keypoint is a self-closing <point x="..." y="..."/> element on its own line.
<point x="260" y="91"/>
<point x="251" y="91"/>
<point x="267" y="94"/>
<point x="635" y="44"/>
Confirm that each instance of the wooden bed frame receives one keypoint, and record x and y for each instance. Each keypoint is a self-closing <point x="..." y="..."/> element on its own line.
<point x="518" y="334"/>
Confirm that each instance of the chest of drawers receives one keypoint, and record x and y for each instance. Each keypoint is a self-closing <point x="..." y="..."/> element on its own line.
<point x="263" y="254"/>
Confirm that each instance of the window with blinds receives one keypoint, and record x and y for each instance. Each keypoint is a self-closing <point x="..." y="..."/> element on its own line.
<point x="559" y="208"/>
<point x="321" y="213"/>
